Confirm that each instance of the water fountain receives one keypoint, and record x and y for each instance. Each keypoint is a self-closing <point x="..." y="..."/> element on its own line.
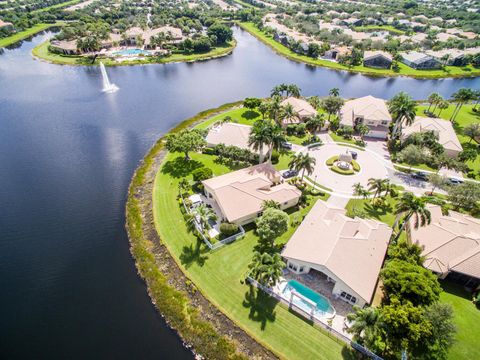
<point x="107" y="85"/>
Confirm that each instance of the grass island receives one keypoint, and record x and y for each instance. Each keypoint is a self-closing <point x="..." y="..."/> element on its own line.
<point x="207" y="295"/>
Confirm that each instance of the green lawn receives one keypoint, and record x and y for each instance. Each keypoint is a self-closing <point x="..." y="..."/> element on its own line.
<point x="383" y="214"/>
<point x="239" y="115"/>
<point x="218" y="274"/>
<point x="388" y="28"/>
<point x="26" y="34"/>
<point x="465" y="117"/>
<point x="41" y="51"/>
<point x="448" y="71"/>
<point x="467" y="320"/>
<point x="57" y="6"/>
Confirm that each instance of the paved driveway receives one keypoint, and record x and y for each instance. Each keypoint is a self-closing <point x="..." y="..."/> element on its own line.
<point x="371" y="167"/>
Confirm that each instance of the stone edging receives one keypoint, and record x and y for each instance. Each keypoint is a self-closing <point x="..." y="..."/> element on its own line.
<point x="141" y="194"/>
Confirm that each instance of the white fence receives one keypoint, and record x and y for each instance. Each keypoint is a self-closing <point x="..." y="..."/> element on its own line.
<point x="308" y="316"/>
<point x="218" y="244"/>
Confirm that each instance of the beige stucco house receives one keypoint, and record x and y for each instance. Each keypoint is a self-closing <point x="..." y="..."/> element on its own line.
<point x="451" y="245"/>
<point x="370" y="111"/>
<point x="443" y="129"/>
<point x="230" y="134"/>
<point x="350" y="252"/>
<point x="240" y="194"/>
<point x="302" y="109"/>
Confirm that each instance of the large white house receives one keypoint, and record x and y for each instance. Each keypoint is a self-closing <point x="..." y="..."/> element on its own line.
<point x="240" y="194"/>
<point x="443" y="129"/>
<point x="370" y="111"/>
<point x="350" y="252"/>
<point x="451" y="245"/>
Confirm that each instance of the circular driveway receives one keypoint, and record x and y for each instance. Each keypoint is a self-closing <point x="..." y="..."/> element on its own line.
<point x="371" y="166"/>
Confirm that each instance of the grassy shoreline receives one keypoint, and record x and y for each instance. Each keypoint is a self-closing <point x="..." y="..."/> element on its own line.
<point x="22" y="35"/>
<point x="449" y="72"/>
<point x="41" y="52"/>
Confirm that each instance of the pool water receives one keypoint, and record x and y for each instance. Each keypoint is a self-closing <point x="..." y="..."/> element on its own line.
<point x="307" y="299"/>
<point x="131" y="52"/>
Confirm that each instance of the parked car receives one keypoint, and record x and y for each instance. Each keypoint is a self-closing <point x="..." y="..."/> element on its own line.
<point x="454" y="181"/>
<point x="420" y="175"/>
<point x="287" y="145"/>
<point x="289" y="173"/>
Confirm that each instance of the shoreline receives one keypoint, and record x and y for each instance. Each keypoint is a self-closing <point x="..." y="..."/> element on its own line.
<point x="42" y="53"/>
<point x="22" y="35"/>
<point x="205" y="330"/>
<point x="371" y="72"/>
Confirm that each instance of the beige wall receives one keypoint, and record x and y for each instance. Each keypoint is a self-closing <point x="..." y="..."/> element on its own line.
<point x="339" y="284"/>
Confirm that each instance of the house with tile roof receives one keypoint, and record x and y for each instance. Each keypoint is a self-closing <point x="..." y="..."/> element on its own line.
<point x="349" y="251"/>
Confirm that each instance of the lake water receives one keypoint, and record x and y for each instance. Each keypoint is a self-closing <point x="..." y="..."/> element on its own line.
<point x="69" y="288"/>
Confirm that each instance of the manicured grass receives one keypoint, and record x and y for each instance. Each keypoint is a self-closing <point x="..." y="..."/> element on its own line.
<point x="384" y="214"/>
<point x="57" y="6"/>
<point x="219" y="274"/>
<point x="41" y="51"/>
<point x="465" y="117"/>
<point x="388" y="28"/>
<point x="448" y="71"/>
<point x="467" y="320"/>
<point x="26" y="33"/>
<point x="239" y="115"/>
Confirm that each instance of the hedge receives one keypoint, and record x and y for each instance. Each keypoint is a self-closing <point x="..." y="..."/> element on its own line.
<point x="336" y="169"/>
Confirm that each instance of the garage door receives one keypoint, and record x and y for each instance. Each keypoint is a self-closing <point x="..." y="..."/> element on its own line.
<point x="377" y="134"/>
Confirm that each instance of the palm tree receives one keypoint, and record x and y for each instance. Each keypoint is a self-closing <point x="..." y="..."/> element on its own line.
<point x="377" y="185"/>
<point x="303" y="162"/>
<point x="437" y="101"/>
<point x="293" y="90"/>
<point x="411" y="206"/>
<point x="277" y="139"/>
<point x="403" y="109"/>
<point x="266" y="268"/>
<point x="461" y="97"/>
<point x="315" y="123"/>
<point x="476" y="94"/>
<point x="270" y="204"/>
<point x="278" y="90"/>
<point x="334" y="92"/>
<point x="315" y="102"/>
<point x="432" y="99"/>
<point x="442" y="105"/>
<point x="288" y="113"/>
<point x="472" y="131"/>
<point x="260" y="136"/>
<point x="275" y="107"/>
<point x="203" y="214"/>
<point x="363" y="130"/>
<point x="264" y="108"/>
<point x="359" y="190"/>
<point x="364" y="323"/>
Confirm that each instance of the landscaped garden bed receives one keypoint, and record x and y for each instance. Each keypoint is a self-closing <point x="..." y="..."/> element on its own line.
<point x="333" y="164"/>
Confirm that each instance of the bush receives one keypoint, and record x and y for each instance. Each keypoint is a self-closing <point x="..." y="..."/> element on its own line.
<point x="356" y="166"/>
<point x="275" y="156"/>
<point x="291" y="129"/>
<point x="301" y="129"/>
<point x="208" y="151"/>
<point x="228" y="229"/>
<point x="341" y="171"/>
<point x="330" y="161"/>
<point x="202" y="173"/>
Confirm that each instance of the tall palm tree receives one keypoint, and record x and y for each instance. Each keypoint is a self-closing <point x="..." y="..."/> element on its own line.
<point x="277" y="139"/>
<point x="437" y="101"/>
<point x="334" y="92"/>
<point x="303" y="162"/>
<point x="315" y="123"/>
<point x="260" y="136"/>
<point x="432" y="99"/>
<point x="411" y="206"/>
<point x="403" y="109"/>
<point x="476" y="94"/>
<point x="203" y="214"/>
<point x="377" y="185"/>
<point x="359" y="190"/>
<point x="287" y="113"/>
<point x="442" y="105"/>
<point x="461" y="97"/>
<point x="266" y="268"/>
<point x="315" y="102"/>
<point x="293" y="90"/>
<point x="264" y="108"/>
<point x="275" y="108"/>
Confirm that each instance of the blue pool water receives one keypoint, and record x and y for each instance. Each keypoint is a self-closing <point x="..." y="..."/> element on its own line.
<point x="321" y="304"/>
<point x="131" y="52"/>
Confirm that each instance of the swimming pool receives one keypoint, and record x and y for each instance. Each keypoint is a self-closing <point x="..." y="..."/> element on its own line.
<point x="307" y="299"/>
<point x="131" y="52"/>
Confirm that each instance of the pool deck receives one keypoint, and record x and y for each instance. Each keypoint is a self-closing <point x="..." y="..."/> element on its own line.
<point x="318" y="283"/>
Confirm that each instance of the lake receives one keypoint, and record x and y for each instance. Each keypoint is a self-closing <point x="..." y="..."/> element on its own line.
<point x="67" y="153"/>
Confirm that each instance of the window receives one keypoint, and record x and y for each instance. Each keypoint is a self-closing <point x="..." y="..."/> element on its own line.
<point x="301" y="268"/>
<point x="292" y="266"/>
<point x="347" y="297"/>
<point x="384" y="122"/>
